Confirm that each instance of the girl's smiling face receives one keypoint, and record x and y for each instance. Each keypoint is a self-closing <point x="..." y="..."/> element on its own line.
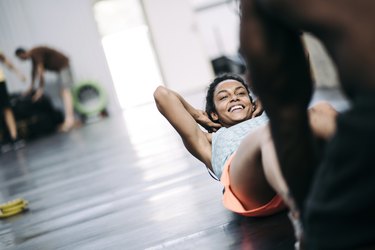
<point x="232" y="103"/>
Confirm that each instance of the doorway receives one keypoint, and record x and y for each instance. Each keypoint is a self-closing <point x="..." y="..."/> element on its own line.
<point x="128" y="49"/>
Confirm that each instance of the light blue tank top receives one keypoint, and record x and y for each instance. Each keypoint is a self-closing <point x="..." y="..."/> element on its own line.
<point x="226" y="141"/>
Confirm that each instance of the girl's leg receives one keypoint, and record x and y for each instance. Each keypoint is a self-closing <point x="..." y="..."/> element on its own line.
<point x="247" y="174"/>
<point x="271" y="166"/>
<point x="322" y="117"/>
<point x="255" y="172"/>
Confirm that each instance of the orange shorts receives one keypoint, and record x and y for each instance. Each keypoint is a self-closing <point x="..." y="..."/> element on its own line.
<point x="232" y="203"/>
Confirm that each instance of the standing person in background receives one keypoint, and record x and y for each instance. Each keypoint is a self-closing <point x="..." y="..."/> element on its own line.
<point x="44" y="58"/>
<point x="5" y="104"/>
<point x="337" y="199"/>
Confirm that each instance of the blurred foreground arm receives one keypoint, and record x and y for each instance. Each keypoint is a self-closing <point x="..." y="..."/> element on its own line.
<point x="280" y="77"/>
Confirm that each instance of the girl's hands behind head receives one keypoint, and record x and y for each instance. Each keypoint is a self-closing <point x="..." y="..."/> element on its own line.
<point x="203" y="120"/>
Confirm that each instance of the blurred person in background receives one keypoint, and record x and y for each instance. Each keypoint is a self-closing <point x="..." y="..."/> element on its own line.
<point x="44" y="58"/>
<point x="5" y="106"/>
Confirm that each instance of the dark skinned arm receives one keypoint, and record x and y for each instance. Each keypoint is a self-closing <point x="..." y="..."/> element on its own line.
<point x="280" y="76"/>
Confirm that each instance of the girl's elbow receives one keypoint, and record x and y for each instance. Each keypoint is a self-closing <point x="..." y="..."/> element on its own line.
<point x="162" y="97"/>
<point x="159" y="92"/>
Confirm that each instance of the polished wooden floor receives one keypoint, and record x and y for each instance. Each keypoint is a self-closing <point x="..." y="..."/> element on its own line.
<point x="125" y="182"/>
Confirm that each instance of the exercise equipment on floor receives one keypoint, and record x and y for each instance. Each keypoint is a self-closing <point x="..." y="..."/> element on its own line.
<point x="90" y="100"/>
